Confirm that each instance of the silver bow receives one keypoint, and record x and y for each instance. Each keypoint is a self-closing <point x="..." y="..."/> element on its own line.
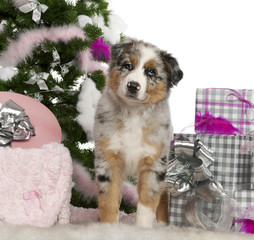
<point x="40" y="79"/>
<point x="36" y="7"/>
<point x="188" y="170"/>
<point x="56" y="58"/>
<point x="56" y="61"/>
<point x="188" y="167"/>
<point x="14" y="124"/>
<point x="65" y="68"/>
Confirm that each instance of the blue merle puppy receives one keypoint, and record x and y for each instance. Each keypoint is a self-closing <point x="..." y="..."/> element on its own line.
<point x="132" y="130"/>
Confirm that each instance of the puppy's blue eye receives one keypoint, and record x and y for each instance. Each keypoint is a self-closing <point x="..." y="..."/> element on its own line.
<point x="151" y="72"/>
<point x="128" y="66"/>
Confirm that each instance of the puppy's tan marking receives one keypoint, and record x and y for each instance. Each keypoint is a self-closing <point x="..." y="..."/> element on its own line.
<point x="167" y="65"/>
<point x="114" y="80"/>
<point x="156" y="93"/>
<point x="146" y="131"/>
<point x="162" y="209"/>
<point x="109" y="201"/>
<point x="134" y="60"/>
<point x="150" y="64"/>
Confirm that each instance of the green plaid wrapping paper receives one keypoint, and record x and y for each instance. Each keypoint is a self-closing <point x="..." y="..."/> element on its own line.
<point x="237" y="106"/>
<point x="235" y="171"/>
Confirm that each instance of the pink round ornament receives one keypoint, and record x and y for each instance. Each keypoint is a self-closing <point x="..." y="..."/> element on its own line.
<point x="47" y="128"/>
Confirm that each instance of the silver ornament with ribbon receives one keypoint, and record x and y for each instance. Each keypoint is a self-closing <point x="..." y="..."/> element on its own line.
<point x="188" y="171"/>
<point x="56" y="58"/>
<point x="14" y="124"/>
<point x="36" y="7"/>
<point x="40" y="79"/>
<point x="188" y="166"/>
<point x="57" y="61"/>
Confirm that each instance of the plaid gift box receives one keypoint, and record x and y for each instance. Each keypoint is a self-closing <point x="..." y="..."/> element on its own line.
<point x="237" y="106"/>
<point x="234" y="170"/>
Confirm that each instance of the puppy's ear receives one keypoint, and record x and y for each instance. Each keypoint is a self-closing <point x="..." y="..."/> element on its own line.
<point x="172" y="67"/>
<point x="118" y="49"/>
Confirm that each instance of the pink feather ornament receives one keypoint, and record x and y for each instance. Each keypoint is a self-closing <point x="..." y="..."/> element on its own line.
<point x="100" y="50"/>
<point x="247" y="225"/>
<point x="210" y="124"/>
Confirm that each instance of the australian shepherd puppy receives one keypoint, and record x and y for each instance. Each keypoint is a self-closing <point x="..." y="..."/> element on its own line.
<point x="132" y="130"/>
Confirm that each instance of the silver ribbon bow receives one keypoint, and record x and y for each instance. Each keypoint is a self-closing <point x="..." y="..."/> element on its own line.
<point x="36" y="7"/>
<point x="188" y="167"/>
<point x="65" y="68"/>
<point x="56" y="61"/>
<point x="56" y="58"/>
<point x="188" y="170"/>
<point x="40" y="79"/>
<point x="14" y="124"/>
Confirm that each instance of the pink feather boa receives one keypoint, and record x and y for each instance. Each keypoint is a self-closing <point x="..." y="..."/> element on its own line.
<point x="23" y="47"/>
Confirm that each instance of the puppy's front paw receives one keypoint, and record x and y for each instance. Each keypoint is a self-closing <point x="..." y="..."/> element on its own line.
<point x="144" y="216"/>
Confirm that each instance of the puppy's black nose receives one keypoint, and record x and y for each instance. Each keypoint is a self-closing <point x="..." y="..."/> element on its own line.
<point x="133" y="87"/>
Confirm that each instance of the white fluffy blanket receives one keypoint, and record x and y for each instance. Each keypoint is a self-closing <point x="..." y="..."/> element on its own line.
<point x="99" y="231"/>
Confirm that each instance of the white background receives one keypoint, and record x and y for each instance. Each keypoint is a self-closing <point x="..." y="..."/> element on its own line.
<point x="213" y="41"/>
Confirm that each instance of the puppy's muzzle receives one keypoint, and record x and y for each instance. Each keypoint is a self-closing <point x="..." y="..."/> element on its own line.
<point x="133" y="87"/>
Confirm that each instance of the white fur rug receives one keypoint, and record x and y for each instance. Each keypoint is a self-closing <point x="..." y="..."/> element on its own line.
<point x="99" y="231"/>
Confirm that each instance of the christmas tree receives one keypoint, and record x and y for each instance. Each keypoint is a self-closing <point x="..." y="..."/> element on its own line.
<point x="57" y="51"/>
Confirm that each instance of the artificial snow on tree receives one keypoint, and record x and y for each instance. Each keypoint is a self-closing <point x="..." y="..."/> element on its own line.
<point x="48" y="49"/>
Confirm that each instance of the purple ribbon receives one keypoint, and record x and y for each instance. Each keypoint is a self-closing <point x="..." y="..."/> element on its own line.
<point x="246" y="104"/>
<point x="239" y="97"/>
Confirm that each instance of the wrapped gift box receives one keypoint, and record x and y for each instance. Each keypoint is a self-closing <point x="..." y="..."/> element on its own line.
<point x="236" y="106"/>
<point x="35" y="185"/>
<point x="234" y="170"/>
<point x="35" y="168"/>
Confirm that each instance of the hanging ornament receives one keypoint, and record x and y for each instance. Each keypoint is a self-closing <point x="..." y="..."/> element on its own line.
<point x="40" y="79"/>
<point x="100" y="50"/>
<point x="36" y="7"/>
<point x="56" y="61"/>
<point x="65" y="68"/>
<point x="38" y="97"/>
<point x="56" y="58"/>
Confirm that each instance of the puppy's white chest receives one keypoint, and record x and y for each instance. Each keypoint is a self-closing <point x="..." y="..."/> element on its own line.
<point x="130" y="142"/>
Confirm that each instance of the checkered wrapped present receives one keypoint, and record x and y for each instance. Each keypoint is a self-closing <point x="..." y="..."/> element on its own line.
<point x="236" y="106"/>
<point x="234" y="170"/>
